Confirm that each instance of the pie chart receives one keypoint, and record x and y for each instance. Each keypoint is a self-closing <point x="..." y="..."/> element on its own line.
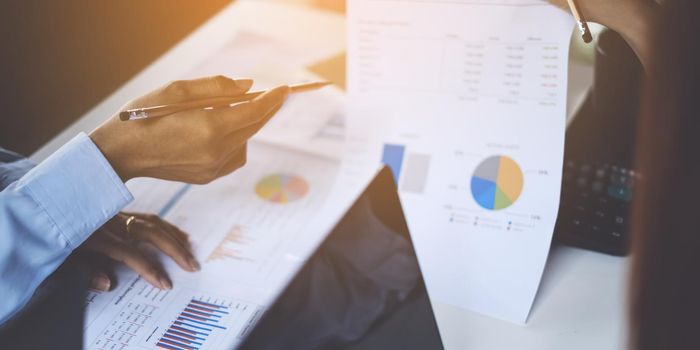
<point x="497" y="183"/>
<point x="282" y="188"/>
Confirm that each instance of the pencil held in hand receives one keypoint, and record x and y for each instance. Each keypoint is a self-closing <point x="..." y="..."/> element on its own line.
<point x="582" y="24"/>
<point x="164" y="110"/>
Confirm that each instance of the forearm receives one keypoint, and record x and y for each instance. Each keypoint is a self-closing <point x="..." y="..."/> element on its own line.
<point x="31" y="249"/>
<point x="49" y="212"/>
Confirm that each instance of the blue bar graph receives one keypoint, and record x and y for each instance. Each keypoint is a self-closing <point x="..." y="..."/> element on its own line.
<point x="193" y="326"/>
<point x="393" y="157"/>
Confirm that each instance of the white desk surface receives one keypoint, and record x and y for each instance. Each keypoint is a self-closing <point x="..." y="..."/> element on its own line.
<point x="581" y="301"/>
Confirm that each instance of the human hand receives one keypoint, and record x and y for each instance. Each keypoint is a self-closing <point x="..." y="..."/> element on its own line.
<point x="634" y="20"/>
<point x="195" y="146"/>
<point x="115" y="241"/>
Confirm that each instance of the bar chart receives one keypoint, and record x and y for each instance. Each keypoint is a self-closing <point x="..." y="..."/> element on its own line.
<point x="231" y="246"/>
<point x="194" y="325"/>
<point x="410" y="169"/>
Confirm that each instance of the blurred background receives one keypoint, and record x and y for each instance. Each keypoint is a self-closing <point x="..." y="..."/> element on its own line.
<point x="60" y="58"/>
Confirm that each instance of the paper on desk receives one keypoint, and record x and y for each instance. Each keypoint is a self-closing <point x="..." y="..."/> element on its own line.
<point x="313" y="121"/>
<point x="251" y="232"/>
<point x="466" y="102"/>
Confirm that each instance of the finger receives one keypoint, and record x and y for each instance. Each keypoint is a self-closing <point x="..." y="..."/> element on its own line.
<point x="252" y="112"/>
<point x="95" y="263"/>
<point x="116" y="249"/>
<point x="101" y="281"/>
<point x="118" y="222"/>
<point x="178" y="234"/>
<point x="162" y="240"/>
<point x="559" y="3"/>
<point x="237" y="161"/>
<point x="202" y="88"/>
<point x="240" y="137"/>
<point x="175" y="231"/>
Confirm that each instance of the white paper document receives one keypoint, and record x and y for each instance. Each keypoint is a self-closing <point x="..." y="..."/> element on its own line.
<point x="251" y="232"/>
<point x="311" y="121"/>
<point x="465" y="101"/>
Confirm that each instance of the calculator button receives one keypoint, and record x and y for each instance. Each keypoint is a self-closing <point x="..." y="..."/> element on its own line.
<point x="623" y="180"/>
<point x="568" y="176"/>
<point x="597" y="186"/>
<point x="620" y="192"/>
<point x="616" y="235"/>
<point x="615" y="179"/>
<point x="582" y="181"/>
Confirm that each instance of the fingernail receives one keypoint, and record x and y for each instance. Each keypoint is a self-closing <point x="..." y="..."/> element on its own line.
<point x="101" y="282"/>
<point x="165" y="282"/>
<point x="194" y="264"/>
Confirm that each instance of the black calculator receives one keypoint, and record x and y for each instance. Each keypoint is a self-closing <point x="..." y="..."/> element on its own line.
<point x="594" y="209"/>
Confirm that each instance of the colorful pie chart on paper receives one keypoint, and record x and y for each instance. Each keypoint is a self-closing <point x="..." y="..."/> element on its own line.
<point x="497" y="183"/>
<point x="282" y="188"/>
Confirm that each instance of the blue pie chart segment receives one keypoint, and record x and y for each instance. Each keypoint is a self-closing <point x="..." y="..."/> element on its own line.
<point x="484" y="191"/>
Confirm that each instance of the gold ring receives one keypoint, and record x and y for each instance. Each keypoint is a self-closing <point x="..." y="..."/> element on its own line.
<point x="130" y="220"/>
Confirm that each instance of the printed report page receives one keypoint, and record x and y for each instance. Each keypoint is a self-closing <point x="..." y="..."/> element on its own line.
<point x="251" y="231"/>
<point x="465" y="101"/>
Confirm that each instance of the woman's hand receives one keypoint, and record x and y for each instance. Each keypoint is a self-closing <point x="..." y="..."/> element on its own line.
<point x="634" y="20"/>
<point x="114" y="240"/>
<point x="195" y="146"/>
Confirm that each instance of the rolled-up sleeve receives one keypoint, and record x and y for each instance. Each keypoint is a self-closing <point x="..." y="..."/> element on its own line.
<point x="49" y="212"/>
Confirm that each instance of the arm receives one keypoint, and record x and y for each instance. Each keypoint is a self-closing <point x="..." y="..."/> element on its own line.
<point x="49" y="212"/>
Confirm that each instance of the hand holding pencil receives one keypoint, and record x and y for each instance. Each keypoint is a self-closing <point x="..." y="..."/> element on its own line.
<point x="633" y="19"/>
<point x="198" y="144"/>
<point x="210" y="102"/>
<point x="581" y="21"/>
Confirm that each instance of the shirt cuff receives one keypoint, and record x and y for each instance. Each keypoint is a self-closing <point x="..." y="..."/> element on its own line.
<point x="77" y="188"/>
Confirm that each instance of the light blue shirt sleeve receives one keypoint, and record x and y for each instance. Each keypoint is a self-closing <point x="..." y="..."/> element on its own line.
<point x="49" y="212"/>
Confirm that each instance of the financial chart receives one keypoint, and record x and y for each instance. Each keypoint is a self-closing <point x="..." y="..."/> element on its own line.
<point x="255" y="227"/>
<point x="497" y="183"/>
<point x="282" y="188"/>
<point x="465" y="102"/>
<point x="144" y="317"/>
